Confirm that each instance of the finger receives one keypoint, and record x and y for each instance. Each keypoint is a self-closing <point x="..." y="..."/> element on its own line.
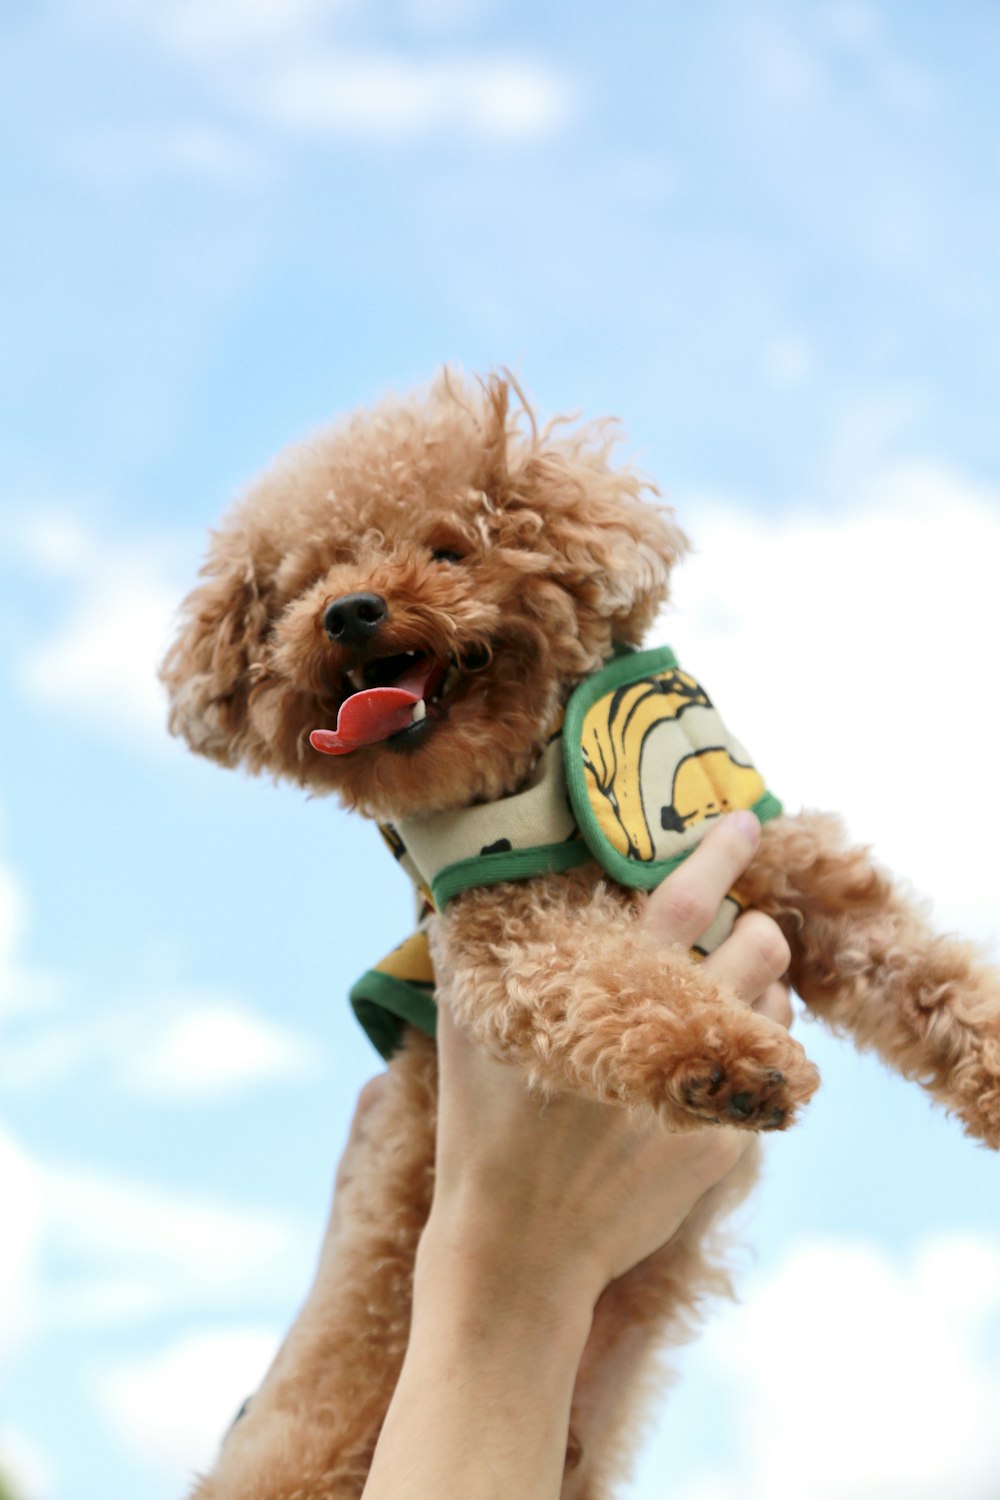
<point x="684" y="906"/>
<point x="753" y="956"/>
<point x="776" y="1004"/>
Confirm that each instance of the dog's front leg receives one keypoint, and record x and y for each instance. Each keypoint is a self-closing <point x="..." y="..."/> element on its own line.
<point x="559" y="976"/>
<point x="310" y="1430"/>
<point x="865" y="958"/>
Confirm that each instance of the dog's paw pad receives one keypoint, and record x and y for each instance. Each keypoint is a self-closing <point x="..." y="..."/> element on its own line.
<point x="744" y="1093"/>
<point x="696" y="1089"/>
<point x="741" y="1105"/>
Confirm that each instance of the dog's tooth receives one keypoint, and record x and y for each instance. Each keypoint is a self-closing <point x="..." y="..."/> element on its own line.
<point x="419" y="711"/>
<point x="357" y="679"/>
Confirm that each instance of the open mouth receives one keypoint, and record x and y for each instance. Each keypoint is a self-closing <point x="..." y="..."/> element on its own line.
<point x="386" y="696"/>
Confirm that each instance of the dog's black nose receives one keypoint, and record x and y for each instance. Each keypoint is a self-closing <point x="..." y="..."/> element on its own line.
<point x="354" y="618"/>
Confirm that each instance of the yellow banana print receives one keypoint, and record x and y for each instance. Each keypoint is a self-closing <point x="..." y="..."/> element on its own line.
<point x="411" y="961"/>
<point x="614" y="731"/>
<point x="707" y="784"/>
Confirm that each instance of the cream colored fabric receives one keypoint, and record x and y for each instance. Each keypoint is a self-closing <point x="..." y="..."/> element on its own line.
<point x="539" y="814"/>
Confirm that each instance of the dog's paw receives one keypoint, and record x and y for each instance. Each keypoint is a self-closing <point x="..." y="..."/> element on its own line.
<point x="754" y="1083"/>
<point x="746" y="1095"/>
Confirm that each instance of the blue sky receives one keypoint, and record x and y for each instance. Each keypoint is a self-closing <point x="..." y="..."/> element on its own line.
<point x="765" y="236"/>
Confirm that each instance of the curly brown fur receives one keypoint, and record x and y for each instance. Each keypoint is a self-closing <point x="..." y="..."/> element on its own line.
<point x="560" y="977"/>
<point x="560" y="556"/>
<point x="865" y="959"/>
<point x="510" y="560"/>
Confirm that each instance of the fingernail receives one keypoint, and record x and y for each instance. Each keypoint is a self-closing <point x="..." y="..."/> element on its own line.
<point x="747" y="823"/>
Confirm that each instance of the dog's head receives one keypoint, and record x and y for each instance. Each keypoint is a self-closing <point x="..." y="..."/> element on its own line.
<point x="397" y="609"/>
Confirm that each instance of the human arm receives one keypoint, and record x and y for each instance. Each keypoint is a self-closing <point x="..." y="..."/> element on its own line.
<point x="538" y="1206"/>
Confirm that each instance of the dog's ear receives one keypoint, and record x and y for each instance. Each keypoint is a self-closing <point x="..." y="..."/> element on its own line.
<point x="558" y="490"/>
<point x="634" y="546"/>
<point x="612" y="549"/>
<point x="208" y="669"/>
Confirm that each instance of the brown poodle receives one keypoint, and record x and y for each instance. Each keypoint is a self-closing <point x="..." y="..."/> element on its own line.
<point x="398" y="612"/>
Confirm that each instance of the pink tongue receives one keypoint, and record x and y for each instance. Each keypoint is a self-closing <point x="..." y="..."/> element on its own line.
<point x="374" y="714"/>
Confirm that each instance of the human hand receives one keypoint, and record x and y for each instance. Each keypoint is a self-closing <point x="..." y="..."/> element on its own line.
<point x="563" y="1195"/>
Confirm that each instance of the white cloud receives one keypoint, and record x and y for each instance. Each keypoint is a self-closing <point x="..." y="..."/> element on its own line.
<point x="207" y="27"/>
<point x="127" y="1251"/>
<point x="171" y="1409"/>
<point x="113" y="614"/>
<point x="283" y="64"/>
<point x="852" y="651"/>
<point x="188" y="1047"/>
<point x="214" y="1048"/>
<point x="83" y="1250"/>
<point x="853" y="1375"/>
<point x="387" y="95"/>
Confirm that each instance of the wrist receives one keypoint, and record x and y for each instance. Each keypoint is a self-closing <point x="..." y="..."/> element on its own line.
<point x="489" y="1356"/>
<point x="500" y="1284"/>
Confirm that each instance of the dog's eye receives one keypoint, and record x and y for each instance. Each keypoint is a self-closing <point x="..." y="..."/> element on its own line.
<point x="446" y="554"/>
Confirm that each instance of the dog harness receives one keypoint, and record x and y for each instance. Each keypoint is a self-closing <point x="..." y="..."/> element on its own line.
<point x="632" y="779"/>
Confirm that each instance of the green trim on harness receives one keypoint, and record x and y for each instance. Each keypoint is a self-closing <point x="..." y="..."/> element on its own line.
<point x="511" y="864"/>
<point x="385" y="1006"/>
<point x="595" y="796"/>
